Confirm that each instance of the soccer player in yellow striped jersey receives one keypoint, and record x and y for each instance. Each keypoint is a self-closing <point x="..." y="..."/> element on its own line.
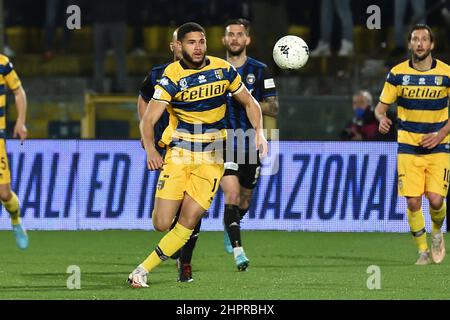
<point x="421" y="87"/>
<point x="10" y="80"/>
<point x="194" y="91"/>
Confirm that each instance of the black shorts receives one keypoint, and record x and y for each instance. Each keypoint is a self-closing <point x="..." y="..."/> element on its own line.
<point x="245" y="168"/>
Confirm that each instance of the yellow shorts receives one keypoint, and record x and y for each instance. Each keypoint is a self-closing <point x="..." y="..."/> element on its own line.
<point x="198" y="174"/>
<point x="5" y="175"/>
<point x="418" y="174"/>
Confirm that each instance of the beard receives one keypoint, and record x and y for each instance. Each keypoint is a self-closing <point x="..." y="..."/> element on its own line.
<point x="189" y="59"/>
<point x="418" y="58"/>
<point x="235" y="52"/>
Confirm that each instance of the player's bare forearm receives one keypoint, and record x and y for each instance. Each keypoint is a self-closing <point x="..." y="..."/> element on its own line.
<point x="141" y="106"/>
<point x="152" y="114"/>
<point x="380" y="110"/>
<point x="20" y="129"/>
<point x="21" y="104"/>
<point x="252" y="108"/>
<point x="384" y="122"/>
<point x="254" y="114"/>
<point x="269" y="106"/>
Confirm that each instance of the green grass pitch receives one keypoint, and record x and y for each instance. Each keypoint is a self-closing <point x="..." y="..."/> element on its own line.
<point x="283" y="265"/>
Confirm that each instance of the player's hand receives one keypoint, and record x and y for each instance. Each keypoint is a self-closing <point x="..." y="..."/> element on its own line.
<point x="261" y="144"/>
<point x="431" y="140"/>
<point x="154" y="160"/>
<point x="20" y="130"/>
<point x="385" y="125"/>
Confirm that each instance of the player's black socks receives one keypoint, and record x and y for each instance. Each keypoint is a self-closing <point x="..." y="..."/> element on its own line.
<point x="231" y="220"/>
<point x="242" y="212"/>
<point x="188" y="248"/>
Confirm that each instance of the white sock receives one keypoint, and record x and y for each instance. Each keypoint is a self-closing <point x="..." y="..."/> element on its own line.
<point x="237" y="251"/>
<point x="141" y="268"/>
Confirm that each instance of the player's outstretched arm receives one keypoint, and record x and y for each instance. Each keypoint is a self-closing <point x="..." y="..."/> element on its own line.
<point x="380" y="114"/>
<point x="254" y="114"/>
<point x="20" y="129"/>
<point x="152" y="114"/>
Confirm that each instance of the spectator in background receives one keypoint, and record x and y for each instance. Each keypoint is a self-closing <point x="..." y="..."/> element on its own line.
<point x="7" y="16"/>
<point x="445" y="13"/>
<point x="138" y="17"/>
<point x="55" y="11"/>
<point x="110" y="27"/>
<point x="269" y="21"/>
<point x="327" y="9"/>
<point x="364" y="125"/>
<point x="419" y="16"/>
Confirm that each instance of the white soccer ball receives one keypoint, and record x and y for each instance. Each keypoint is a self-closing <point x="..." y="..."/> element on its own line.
<point x="290" y="52"/>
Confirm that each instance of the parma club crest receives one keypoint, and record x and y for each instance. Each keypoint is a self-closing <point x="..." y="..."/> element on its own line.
<point x="160" y="184"/>
<point x="400" y="182"/>
<point x="438" y="80"/>
<point x="219" y="74"/>
<point x="183" y="84"/>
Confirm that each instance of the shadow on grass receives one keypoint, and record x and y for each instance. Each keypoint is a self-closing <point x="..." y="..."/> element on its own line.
<point x="302" y="261"/>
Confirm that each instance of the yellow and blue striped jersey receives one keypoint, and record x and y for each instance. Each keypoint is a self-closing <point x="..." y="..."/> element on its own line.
<point x="8" y="80"/>
<point x="422" y="103"/>
<point x="196" y="100"/>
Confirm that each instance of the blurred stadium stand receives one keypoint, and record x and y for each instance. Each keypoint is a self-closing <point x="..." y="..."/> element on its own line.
<point x="321" y="91"/>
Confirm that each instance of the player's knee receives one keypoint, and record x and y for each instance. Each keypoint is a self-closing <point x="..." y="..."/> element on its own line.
<point x="232" y="197"/>
<point x="5" y="195"/>
<point x="160" y="222"/>
<point x="436" y="201"/>
<point x="161" y="226"/>
<point x="414" y="204"/>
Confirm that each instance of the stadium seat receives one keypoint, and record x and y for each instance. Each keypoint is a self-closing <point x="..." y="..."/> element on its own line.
<point x="157" y="38"/>
<point x="214" y="36"/>
<point x="17" y="39"/>
<point x="300" y="31"/>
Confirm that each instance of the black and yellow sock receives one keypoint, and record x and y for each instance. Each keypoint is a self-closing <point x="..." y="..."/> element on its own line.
<point x="188" y="249"/>
<point x="417" y="227"/>
<point x="232" y="222"/>
<point x="437" y="217"/>
<point x="167" y="246"/>
<point x="13" y="208"/>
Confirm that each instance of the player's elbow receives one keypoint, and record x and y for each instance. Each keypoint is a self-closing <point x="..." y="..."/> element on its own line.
<point x="19" y="94"/>
<point x="273" y="109"/>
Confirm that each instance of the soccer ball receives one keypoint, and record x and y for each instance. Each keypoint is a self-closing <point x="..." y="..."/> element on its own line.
<point x="290" y="52"/>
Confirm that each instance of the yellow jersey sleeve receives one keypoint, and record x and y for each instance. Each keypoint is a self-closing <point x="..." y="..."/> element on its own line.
<point x="11" y="78"/>
<point x="235" y="80"/>
<point x="389" y="93"/>
<point x="165" y="90"/>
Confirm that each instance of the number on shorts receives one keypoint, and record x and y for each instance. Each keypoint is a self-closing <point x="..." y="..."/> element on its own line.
<point x="214" y="186"/>
<point x="3" y="163"/>
<point x="446" y="175"/>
